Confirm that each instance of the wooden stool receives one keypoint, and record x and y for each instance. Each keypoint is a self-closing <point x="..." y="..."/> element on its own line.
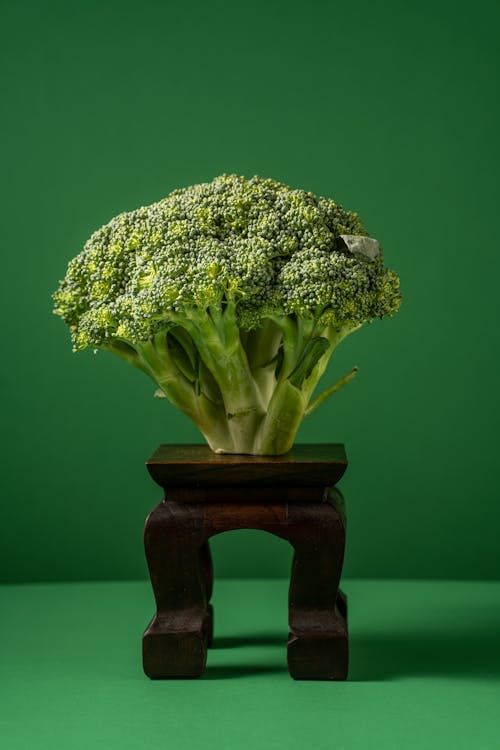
<point x="291" y="496"/>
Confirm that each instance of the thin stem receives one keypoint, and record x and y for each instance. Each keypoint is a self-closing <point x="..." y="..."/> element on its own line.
<point x="340" y="383"/>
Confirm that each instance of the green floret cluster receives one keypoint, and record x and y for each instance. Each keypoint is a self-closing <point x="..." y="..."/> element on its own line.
<point x="231" y="295"/>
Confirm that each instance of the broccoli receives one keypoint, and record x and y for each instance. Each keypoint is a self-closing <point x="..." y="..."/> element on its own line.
<point x="231" y="295"/>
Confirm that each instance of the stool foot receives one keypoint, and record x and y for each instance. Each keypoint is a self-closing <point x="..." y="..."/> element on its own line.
<point x="169" y="652"/>
<point x="317" y="658"/>
<point x="321" y="655"/>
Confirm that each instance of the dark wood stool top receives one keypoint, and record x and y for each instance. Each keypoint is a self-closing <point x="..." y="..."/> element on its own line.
<point x="196" y="465"/>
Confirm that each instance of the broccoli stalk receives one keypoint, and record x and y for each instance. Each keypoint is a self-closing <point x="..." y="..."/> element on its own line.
<point x="240" y="399"/>
<point x="231" y="296"/>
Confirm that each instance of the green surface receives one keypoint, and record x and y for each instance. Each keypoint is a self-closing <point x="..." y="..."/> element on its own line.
<point x="389" y="108"/>
<point x="425" y="671"/>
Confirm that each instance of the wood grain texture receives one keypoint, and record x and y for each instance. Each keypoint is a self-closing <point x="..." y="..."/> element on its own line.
<point x="196" y="465"/>
<point x="241" y="494"/>
<point x="176" y="538"/>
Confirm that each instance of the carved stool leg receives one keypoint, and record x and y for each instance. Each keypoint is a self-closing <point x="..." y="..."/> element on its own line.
<point x="175" y="643"/>
<point x="208" y="582"/>
<point x="318" y="644"/>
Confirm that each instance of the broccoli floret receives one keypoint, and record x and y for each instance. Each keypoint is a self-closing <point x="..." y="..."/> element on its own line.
<point x="231" y="295"/>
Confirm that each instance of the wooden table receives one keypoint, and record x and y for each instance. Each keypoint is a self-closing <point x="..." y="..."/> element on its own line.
<point x="292" y="496"/>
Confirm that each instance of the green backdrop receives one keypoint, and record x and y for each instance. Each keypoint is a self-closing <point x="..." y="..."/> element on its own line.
<point x="388" y="108"/>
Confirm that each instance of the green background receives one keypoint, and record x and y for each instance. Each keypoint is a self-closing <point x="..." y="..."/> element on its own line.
<point x="392" y="110"/>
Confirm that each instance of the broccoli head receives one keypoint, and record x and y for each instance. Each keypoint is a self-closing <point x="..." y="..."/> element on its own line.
<point x="231" y="295"/>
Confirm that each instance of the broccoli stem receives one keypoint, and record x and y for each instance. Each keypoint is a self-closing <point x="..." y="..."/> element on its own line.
<point x="233" y="385"/>
<point x="217" y="338"/>
<point x="279" y="427"/>
<point x="261" y="347"/>
<point x="340" y="383"/>
<point x="153" y="358"/>
<point x="289" y="402"/>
